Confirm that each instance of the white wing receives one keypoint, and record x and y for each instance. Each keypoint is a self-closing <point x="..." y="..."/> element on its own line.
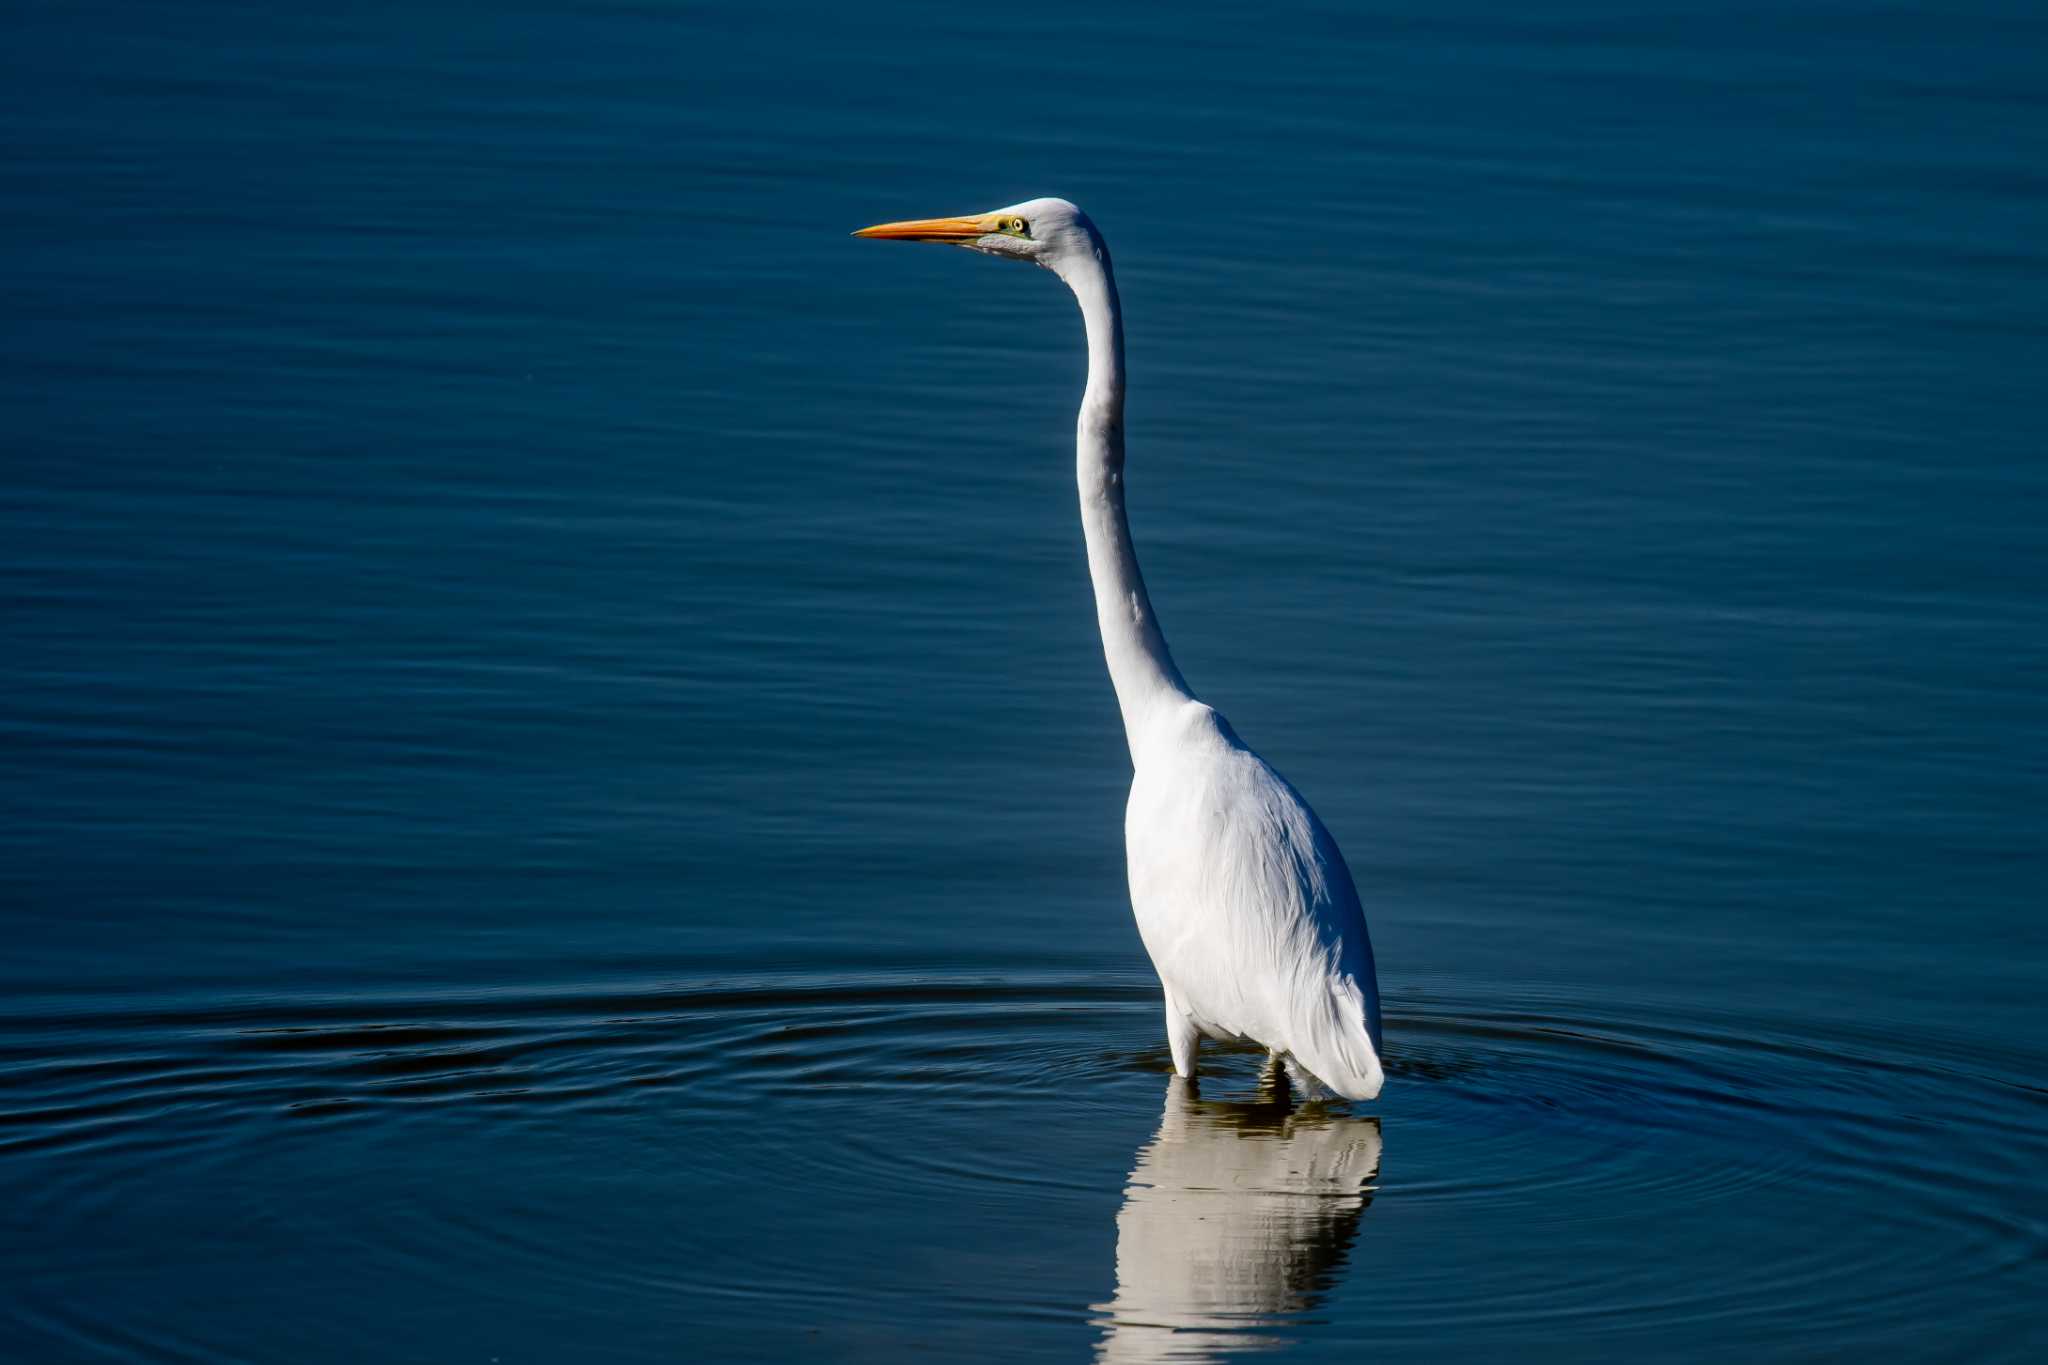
<point x="1246" y="905"/>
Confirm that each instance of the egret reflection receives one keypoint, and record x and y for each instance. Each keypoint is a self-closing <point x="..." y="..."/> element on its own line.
<point x="1237" y="1217"/>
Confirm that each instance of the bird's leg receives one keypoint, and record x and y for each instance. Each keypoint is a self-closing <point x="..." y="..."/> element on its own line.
<point x="1183" y="1037"/>
<point x="1276" y="1079"/>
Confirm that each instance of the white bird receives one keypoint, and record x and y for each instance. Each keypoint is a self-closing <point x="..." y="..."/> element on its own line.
<point x="1240" y="894"/>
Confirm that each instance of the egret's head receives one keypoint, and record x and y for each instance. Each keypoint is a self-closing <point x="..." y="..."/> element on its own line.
<point x="1047" y="232"/>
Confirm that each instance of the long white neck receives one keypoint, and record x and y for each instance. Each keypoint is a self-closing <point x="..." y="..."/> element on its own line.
<point x="1139" y="665"/>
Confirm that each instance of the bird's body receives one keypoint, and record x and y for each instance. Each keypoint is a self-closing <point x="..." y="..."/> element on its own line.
<point x="1246" y="907"/>
<point x="1241" y="896"/>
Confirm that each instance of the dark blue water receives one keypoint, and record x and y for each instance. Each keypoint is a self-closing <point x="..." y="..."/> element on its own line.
<point x="558" y="796"/>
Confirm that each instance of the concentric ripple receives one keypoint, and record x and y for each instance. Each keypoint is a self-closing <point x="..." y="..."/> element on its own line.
<point x="998" y="1148"/>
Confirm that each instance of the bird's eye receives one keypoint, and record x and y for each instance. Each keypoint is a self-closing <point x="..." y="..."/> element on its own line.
<point x="1018" y="226"/>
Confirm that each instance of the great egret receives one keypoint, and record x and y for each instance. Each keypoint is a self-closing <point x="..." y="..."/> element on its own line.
<point x="1241" y="896"/>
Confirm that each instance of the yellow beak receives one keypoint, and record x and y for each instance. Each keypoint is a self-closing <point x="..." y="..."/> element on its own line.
<point x="931" y="230"/>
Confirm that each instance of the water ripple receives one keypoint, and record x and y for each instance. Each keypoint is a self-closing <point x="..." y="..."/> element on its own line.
<point x="1580" y="1120"/>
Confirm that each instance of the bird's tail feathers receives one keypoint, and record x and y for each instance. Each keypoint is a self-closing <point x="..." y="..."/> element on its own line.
<point x="1338" y="1049"/>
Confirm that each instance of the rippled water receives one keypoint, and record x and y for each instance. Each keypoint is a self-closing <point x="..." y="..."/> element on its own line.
<point x="879" y="1163"/>
<point x="557" y="794"/>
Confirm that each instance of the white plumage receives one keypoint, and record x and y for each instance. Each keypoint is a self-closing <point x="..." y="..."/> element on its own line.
<point x="1247" y="908"/>
<point x="1241" y="896"/>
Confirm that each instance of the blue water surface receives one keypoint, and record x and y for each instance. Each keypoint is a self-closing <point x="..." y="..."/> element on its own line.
<point x="558" y="794"/>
